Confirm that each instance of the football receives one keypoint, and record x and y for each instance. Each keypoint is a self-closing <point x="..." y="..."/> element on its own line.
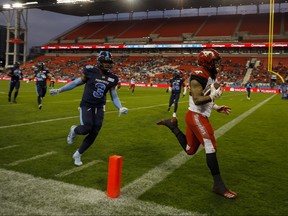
<point x="207" y="91"/>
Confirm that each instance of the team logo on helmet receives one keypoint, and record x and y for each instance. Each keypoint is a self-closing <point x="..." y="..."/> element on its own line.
<point x="209" y="59"/>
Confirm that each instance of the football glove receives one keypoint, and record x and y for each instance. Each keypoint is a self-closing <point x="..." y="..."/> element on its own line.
<point x="123" y="110"/>
<point x="54" y="92"/>
<point x="222" y="109"/>
<point x="215" y="93"/>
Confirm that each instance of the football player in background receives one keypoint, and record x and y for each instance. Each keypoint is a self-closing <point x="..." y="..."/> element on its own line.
<point x="98" y="81"/>
<point x="41" y="74"/>
<point x="176" y="85"/>
<point x="16" y="75"/>
<point x="52" y="81"/>
<point x="198" y="128"/>
<point x="132" y="84"/>
<point x="248" y="86"/>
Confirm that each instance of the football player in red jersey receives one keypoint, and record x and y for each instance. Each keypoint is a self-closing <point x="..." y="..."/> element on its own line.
<point x="198" y="128"/>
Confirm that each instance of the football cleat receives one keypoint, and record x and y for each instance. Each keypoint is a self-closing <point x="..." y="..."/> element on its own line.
<point x="71" y="135"/>
<point x="40" y="106"/>
<point x="77" y="159"/>
<point x="227" y="194"/>
<point x="170" y="123"/>
<point x="174" y="115"/>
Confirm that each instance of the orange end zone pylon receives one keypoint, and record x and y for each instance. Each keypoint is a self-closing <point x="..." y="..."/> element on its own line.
<point x="114" y="176"/>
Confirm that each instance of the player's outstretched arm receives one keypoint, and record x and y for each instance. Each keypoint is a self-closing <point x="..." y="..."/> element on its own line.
<point x="68" y="87"/>
<point x="222" y="109"/>
<point x="117" y="103"/>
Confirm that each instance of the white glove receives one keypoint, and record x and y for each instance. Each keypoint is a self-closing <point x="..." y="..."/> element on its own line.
<point x="54" y="92"/>
<point x="215" y="93"/>
<point x="222" y="109"/>
<point x="184" y="92"/>
<point x="123" y="110"/>
<point x="169" y="89"/>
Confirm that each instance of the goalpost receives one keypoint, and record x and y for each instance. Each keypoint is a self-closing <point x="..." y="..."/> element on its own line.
<point x="270" y="51"/>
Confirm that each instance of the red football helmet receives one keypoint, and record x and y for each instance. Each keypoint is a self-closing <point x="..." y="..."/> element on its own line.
<point x="209" y="58"/>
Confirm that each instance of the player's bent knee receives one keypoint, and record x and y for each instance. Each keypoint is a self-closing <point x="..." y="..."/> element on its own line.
<point x="85" y="129"/>
<point x="209" y="147"/>
<point x="191" y="151"/>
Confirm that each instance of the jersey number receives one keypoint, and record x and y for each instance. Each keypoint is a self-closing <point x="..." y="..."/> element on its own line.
<point x="176" y="86"/>
<point x="99" y="92"/>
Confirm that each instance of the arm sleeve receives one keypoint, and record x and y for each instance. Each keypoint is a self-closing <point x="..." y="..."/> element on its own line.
<point x="72" y="85"/>
<point x="115" y="99"/>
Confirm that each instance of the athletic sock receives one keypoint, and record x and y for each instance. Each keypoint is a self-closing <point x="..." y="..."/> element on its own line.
<point x="181" y="137"/>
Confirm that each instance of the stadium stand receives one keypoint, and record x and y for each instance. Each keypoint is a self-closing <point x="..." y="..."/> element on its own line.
<point x="247" y="28"/>
<point x="158" y="64"/>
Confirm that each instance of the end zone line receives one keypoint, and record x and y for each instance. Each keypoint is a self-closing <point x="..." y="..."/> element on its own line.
<point x="156" y="175"/>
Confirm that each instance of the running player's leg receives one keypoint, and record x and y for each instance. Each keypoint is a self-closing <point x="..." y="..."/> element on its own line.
<point x="92" y="123"/>
<point x="11" y="87"/>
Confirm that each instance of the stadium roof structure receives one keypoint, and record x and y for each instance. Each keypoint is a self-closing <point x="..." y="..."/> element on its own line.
<point x="100" y="7"/>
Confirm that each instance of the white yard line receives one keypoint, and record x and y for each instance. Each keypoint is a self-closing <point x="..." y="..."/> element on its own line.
<point x="77" y="169"/>
<point x="70" y="117"/>
<point x="8" y="147"/>
<point x="15" y="163"/>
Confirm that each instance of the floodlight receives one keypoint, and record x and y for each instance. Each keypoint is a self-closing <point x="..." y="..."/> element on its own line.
<point x="7" y="6"/>
<point x="72" y="1"/>
<point x="17" y="5"/>
<point x="31" y="3"/>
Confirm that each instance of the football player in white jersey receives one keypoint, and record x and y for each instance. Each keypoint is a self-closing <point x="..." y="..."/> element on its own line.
<point x="198" y="128"/>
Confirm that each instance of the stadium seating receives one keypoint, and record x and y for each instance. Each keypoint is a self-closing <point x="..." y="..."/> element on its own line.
<point x="249" y="27"/>
<point x="224" y="25"/>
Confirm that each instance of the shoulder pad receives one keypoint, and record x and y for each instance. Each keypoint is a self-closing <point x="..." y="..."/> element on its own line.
<point x="200" y="72"/>
<point x="89" y="67"/>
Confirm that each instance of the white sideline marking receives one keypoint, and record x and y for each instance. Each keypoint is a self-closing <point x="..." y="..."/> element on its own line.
<point x="32" y="158"/>
<point x="156" y="175"/>
<point x="28" y="195"/>
<point x="8" y="147"/>
<point x="77" y="169"/>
